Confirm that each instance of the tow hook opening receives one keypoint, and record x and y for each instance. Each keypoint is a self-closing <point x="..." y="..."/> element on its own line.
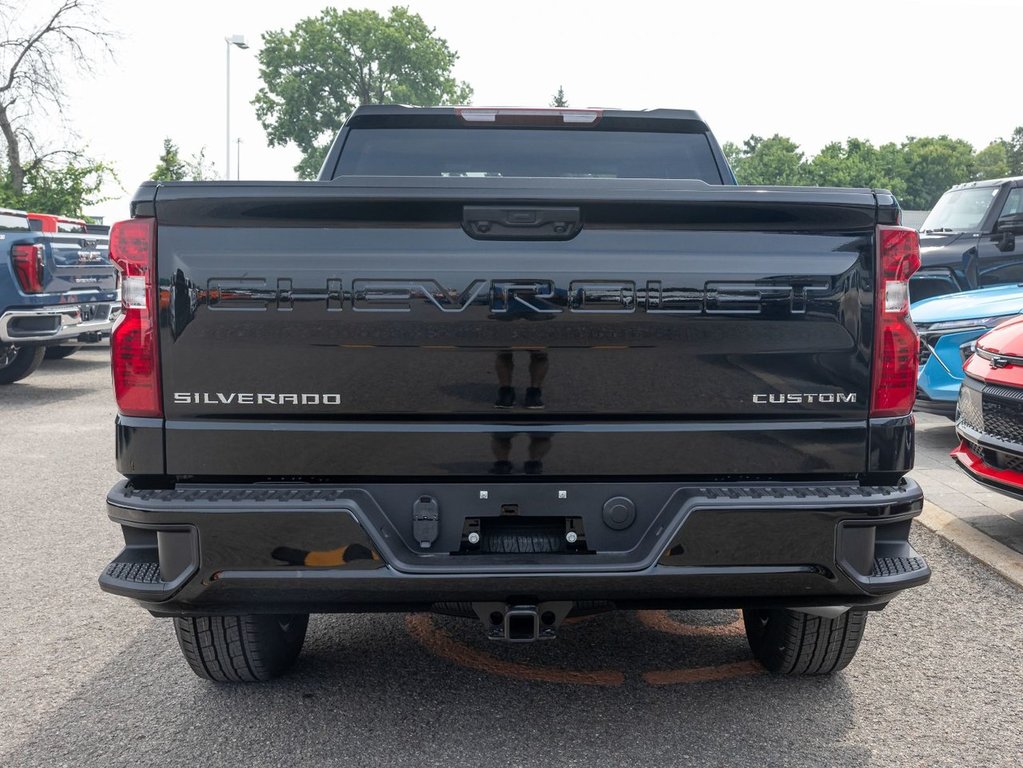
<point x="521" y="622"/>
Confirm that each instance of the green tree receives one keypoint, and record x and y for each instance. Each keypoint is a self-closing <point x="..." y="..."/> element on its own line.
<point x="732" y="153"/>
<point x="317" y="73"/>
<point x="559" y="99"/>
<point x="198" y="168"/>
<point x="760" y="161"/>
<point x="1014" y="150"/>
<point x="856" y="163"/>
<point x="992" y="162"/>
<point x="64" y="189"/>
<point x="839" y="165"/>
<point x="170" y="167"/>
<point x="828" y="168"/>
<point x="917" y="171"/>
<point x="892" y="162"/>
<point x="40" y="48"/>
<point x="932" y="165"/>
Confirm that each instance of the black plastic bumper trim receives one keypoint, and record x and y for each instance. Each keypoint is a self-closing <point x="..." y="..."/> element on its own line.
<point x="985" y="440"/>
<point x="156" y="562"/>
<point x="403" y="555"/>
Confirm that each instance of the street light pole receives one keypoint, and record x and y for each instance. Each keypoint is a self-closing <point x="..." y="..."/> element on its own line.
<point x="239" y="41"/>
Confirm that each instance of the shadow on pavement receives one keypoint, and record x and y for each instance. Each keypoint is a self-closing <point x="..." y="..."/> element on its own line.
<point x="938" y="437"/>
<point x="44" y="388"/>
<point x="366" y="691"/>
<point x="24" y="393"/>
<point x="82" y="360"/>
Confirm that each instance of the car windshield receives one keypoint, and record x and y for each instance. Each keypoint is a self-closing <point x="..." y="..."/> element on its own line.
<point x="961" y="210"/>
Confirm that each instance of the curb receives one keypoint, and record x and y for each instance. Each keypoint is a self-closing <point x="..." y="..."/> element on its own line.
<point x="1005" y="561"/>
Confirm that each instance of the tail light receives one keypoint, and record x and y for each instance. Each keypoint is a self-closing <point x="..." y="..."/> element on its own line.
<point x="896" y="344"/>
<point x="133" y="343"/>
<point x="29" y="265"/>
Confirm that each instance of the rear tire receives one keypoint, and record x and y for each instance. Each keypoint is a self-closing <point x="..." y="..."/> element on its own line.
<point x="241" y="649"/>
<point x="792" y="643"/>
<point x="59" y="353"/>
<point x="18" y="362"/>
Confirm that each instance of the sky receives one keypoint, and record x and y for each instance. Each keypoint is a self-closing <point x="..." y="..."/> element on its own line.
<point x="815" y="71"/>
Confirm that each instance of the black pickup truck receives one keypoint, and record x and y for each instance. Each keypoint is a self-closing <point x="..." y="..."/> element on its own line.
<point x="972" y="239"/>
<point x="513" y="365"/>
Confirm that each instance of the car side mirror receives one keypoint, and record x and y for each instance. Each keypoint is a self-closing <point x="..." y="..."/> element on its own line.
<point x="1005" y="232"/>
<point x="1005" y="240"/>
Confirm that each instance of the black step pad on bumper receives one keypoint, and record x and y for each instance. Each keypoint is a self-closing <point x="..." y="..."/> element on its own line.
<point x="896" y="566"/>
<point x="155" y="562"/>
<point x="135" y="573"/>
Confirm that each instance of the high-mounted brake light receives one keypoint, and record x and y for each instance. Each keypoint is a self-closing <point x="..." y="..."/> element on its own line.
<point x="133" y="343"/>
<point x="29" y="266"/>
<point x="896" y="344"/>
<point x="520" y="116"/>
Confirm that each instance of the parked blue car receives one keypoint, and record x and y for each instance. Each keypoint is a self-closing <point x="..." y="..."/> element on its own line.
<point x="948" y="327"/>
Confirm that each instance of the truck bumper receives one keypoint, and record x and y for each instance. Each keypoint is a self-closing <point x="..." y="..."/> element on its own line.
<point x="989" y="463"/>
<point x="200" y="550"/>
<point x="88" y="321"/>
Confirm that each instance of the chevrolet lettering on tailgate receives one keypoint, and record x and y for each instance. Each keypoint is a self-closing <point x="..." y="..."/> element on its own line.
<point x="541" y="295"/>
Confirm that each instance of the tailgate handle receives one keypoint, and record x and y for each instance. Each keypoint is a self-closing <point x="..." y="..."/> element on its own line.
<point x="521" y="223"/>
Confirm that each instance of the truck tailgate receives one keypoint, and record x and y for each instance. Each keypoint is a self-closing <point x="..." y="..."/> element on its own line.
<point x="79" y="263"/>
<point x="364" y="328"/>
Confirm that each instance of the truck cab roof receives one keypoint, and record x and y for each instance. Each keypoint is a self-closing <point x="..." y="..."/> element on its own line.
<point x="425" y="113"/>
<point x="988" y="183"/>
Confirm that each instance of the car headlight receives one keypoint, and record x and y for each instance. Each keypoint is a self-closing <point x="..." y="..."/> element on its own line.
<point x="967" y="350"/>
<point x="980" y="323"/>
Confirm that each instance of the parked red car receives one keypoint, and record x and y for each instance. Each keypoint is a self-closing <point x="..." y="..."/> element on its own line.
<point x="989" y="416"/>
<point x="46" y="222"/>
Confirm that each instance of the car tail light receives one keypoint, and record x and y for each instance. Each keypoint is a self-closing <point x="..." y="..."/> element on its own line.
<point x="896" y="344"/>
<point x="29" y="266"/>
<point x="133" y="343"/>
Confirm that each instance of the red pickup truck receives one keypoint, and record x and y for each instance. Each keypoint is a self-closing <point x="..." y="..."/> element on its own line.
<point x="48" y="222"/>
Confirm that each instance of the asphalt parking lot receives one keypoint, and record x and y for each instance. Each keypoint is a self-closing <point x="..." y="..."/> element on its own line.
<point x="90" y="679"/>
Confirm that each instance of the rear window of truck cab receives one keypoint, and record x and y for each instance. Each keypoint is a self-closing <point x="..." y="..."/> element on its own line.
<point x="11" y="220"/>
<point x="532" y="152"/>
